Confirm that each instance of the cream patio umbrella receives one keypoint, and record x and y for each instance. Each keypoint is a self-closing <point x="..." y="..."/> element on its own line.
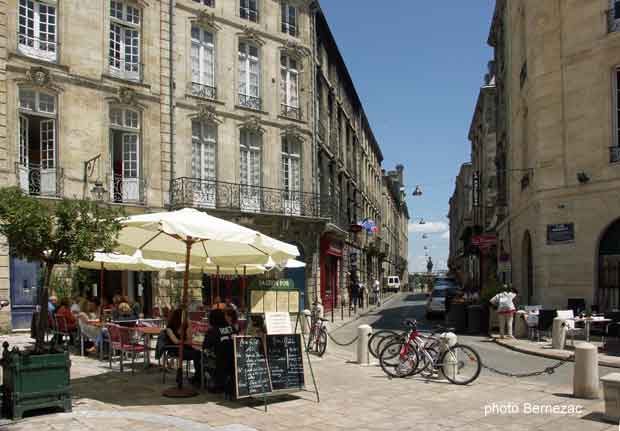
<point x="197" y="238"/>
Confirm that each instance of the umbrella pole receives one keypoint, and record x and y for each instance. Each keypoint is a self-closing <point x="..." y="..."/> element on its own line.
<point x="101" y="289"/>
<point x="243" y="287"/>
<point x="217" y="282"/>
<point x="179" y="391"/>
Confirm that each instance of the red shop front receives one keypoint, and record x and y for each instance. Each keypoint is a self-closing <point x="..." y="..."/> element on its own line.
<point x="330" y="261"/>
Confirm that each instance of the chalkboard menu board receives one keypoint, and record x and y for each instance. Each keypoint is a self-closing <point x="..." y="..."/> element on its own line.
<point x="251" y="368"/>
<point x="286" y="365"/>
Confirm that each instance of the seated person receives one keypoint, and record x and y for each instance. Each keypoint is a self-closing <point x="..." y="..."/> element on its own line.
<point x="125" y="313"/>
<point x="66" y="320"/>
<point x="89" y="331"/>
<point x="52" y="304"/>
<point x="219" y="342"/>
<point x="173" y="334"/>
<point x="218" y="304"/>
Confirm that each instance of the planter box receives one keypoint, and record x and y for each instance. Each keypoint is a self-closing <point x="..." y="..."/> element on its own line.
<point x="34" y="382"/>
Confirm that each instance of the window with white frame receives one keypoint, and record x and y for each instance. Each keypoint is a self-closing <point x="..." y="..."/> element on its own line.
<point x="124" y="50"/>
<point x="289" y="85"/>
<point x="250" y="163"/>
<point x="210" y="3"/>
<point x="249" y="76"/>
<point x="289" y="19"/>
<point x="291" y="165"/>
<point x="203" y="63"/>
<point x="248" y="9"/>
<point x="38" y="147"/>
<point x="125" y="158"/>
<point x="37" y="29"/>
<point x="204" y="150"/>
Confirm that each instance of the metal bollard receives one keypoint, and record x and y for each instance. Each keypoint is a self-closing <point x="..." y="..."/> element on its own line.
<point x="558" y="333"/>
<point x="449" y="366"/>
<point x="585" y="376"/>
<point x="305" y="321"/>
<point x="363" y="333"/>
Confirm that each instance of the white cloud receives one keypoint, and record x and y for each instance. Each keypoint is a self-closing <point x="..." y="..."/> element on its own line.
<point x="445" y="235"/>
<point x="429" y="227"/>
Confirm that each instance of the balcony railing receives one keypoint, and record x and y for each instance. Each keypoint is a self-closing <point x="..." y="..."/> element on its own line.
<point x="204" y="91"/>
<point x="250" y="102"/>
<point x="37" y="181"/>
<point x="199" y="193"/>
<point x="126" y="190"/>
<point x="614" y="154"/>
<point x="290" y="111"/>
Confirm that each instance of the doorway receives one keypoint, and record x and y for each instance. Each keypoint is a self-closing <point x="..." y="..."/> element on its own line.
<point x="608" y="292"/>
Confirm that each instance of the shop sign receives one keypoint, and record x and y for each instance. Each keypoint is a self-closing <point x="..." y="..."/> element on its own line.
<point x="278" y="284"/>
<point x="476" y="188"/>
<point x="560" y="233"/>
<point x="484" y="241"/>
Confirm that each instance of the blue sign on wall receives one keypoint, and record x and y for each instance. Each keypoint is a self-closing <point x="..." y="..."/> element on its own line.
<point x="560" y="233"/>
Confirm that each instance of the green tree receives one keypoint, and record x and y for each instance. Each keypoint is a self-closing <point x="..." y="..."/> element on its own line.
<point x="54" y="233"/>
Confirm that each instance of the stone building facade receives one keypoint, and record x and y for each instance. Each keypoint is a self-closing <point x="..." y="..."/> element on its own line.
<point x="557" y="149"/>
<point x="243" y="108"/>
<point x="460" y="260"/>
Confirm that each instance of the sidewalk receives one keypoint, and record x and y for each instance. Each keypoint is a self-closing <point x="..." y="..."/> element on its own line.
<point x="543" y="349"/>
<point x="352" y="398"/>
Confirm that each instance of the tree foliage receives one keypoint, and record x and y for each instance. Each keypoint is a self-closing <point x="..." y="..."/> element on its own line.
<point x="55" y="233"/>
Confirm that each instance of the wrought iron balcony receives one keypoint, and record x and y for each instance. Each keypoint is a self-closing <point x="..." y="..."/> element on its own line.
<point x="204" y="91"/>
<point x="126" y="190"/>
<point x="38" y="181"/>
<point x="290" y="111"/>
<point x="613" y="18"/>
<point x="614" y="154"/>
<point x="221" y="195"/>
<point x="250" y="102"/>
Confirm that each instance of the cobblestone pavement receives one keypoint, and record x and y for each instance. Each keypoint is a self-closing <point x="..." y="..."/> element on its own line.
<point x="351" y="398"/>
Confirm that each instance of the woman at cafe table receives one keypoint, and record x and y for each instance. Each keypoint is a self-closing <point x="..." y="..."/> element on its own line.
<point x="173" y="335"/>
<point x="66" y="319"/>
<point x="219" y="343"/>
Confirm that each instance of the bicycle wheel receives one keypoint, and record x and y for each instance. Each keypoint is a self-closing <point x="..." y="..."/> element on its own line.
<point x="375" y="340"/>
<point x="387" y="340"/>
<point x="398" y="359"/>
<point x="427" y="365"/>
<point x="460" y="364"/>
<point x="321" y="342"/>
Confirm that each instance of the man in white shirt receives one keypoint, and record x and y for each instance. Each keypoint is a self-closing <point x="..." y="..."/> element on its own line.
<point x="376" y="288"/>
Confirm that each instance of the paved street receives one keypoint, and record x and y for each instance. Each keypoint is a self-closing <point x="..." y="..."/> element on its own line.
<point x="351" y="397"/>
<point x="407" y="305"/>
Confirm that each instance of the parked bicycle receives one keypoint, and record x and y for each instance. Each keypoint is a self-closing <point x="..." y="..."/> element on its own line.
<point x="430" y="355"/>
<point x="317" y="338"/>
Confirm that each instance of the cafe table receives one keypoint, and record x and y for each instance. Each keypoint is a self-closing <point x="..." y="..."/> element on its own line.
<point x="588" y="321"/>
<point x="147" y="332"/>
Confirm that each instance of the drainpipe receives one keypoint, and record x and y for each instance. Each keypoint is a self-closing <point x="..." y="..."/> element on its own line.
<point x="172" y="93"/>
<point x="313" y="11"/>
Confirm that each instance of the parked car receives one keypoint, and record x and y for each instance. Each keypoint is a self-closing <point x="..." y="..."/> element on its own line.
<point x="392" y="283"/>
<point x="436" y="302"/>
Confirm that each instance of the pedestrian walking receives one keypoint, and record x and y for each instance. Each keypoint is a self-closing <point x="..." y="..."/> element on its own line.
<point x="376" y="288"/>
<point x="354" y="295"/>
<point x="360" y="295"/>
<point x="504" y="301"/>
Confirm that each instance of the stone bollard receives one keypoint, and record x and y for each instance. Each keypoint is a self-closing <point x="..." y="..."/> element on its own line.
<point x="585" y="377"/>
<point x="558" y="334"/>
<point x="611" y="391"/>
<point x="521" y="329"/>
<point x="363" y="332"/>
<point x="305" y="321"/>
<point x="449" y="366"/>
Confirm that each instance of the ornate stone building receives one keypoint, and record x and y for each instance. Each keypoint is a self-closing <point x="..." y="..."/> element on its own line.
<point x="557" y="149"/>
<point x="243" y="108"/>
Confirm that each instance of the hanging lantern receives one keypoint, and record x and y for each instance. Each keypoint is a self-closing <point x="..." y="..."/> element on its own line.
<point x="417" y="191"/>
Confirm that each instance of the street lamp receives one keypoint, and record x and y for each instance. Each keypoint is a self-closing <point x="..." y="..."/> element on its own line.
<point x="417" y="191"/>
<point x="98" y="189"/>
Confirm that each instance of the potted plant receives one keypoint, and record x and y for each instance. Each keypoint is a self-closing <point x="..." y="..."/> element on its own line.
<point x="54" y="233"/>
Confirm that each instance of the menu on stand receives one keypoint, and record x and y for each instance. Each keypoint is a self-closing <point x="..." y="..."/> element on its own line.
<point x="251" y="367"/>
<point x="286" y="365"/>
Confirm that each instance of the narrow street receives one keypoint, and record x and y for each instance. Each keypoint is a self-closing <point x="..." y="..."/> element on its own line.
<point x="412" y="305"/>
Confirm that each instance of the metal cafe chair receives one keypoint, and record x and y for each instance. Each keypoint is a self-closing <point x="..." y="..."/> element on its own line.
<point x="123" y="340"/>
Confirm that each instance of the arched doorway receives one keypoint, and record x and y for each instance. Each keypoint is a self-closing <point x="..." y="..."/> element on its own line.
<point x="528" y="267"/>
<point x="608" y="292"/>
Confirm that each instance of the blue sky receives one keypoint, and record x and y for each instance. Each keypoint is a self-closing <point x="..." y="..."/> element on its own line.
<point x="418" y="66"/>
